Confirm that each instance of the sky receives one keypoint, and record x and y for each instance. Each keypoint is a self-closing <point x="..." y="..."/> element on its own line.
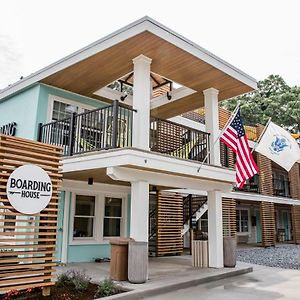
<point x="260" y="37"/>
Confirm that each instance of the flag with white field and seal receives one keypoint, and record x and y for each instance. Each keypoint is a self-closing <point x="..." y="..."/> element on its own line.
<point x="278" y="145"/>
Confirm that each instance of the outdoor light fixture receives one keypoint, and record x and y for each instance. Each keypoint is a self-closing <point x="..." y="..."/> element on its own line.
<point x="90" y="181"/>
<point x="169" y="96"/>
<point x="122" y="98"/>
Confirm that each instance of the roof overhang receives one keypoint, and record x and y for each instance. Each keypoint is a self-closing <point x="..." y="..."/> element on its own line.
<point x="173" y="56"/>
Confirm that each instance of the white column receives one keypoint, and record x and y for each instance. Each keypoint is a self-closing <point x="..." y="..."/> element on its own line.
<point x="215" y="229"/>
<point x="141" y="102"/>
<point x="139" y="212"/>
<point x="212" y="123"/>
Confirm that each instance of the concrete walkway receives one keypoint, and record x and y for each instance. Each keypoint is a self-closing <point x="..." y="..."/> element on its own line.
<point x="264" y="283"/>
<point x="165" y="274"/>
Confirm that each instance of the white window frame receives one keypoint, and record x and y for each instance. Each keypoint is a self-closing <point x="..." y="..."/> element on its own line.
<point x="122" y="224"/>
<point x="52" y="98"/>
<point x="98" y="237"/>
<point x="249" y="224"/>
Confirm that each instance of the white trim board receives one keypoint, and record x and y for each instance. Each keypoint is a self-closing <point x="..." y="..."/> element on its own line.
<point x="152" y="161"/>
<point x="141" y="25"/>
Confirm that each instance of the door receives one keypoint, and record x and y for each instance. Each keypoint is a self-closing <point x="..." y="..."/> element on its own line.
<point x="286" y="224"/>
<point x="60" y="221"/>
<point x="258" y="227"/>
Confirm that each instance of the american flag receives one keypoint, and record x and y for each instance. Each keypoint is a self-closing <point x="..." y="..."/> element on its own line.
<point x="234" y="136"/>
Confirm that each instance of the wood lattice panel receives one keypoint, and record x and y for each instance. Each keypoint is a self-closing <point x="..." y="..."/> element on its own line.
<point x="169" y="224"/>
<point x="296" y="223"/>
<point x="229" y="217"/>
<point x="268" y="224"/>
<point x="27" y="242"/>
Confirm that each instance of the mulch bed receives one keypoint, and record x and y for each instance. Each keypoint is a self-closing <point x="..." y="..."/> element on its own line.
<point x="57" y="293"/>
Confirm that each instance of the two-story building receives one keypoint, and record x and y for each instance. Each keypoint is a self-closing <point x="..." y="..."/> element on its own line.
<point x="116" y="108"/>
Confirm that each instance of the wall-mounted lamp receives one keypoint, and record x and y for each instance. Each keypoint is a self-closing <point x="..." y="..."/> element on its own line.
<point x="169" y="96"/>
<point x="122" y="98"/>
<point x="90" y="181"/>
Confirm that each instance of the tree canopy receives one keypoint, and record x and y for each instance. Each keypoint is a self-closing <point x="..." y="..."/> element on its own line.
<point x="273" y="98"/>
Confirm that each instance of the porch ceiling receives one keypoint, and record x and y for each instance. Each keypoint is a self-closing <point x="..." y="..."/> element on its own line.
<point x="89" y="75"/>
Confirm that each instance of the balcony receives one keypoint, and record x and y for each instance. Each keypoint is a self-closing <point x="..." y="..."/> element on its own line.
<point x="251" y="185"/>
<point x="110" y="127"/>
<point x="281" y="187"/>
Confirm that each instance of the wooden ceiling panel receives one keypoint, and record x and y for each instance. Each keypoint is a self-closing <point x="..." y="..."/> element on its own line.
<point x="169" y="61"/>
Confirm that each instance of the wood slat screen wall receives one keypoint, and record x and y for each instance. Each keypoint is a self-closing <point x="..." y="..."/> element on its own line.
<point x="169" y="224"/>
<point x="229" y="217"/>
<point x="296" y="223"/>
<point x="294" y="177"/>
<point x="267" y="215"/>
<point x="27" y="242"/>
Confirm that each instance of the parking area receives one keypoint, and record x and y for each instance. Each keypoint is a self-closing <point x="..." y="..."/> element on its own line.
<point x="286" y="256"/>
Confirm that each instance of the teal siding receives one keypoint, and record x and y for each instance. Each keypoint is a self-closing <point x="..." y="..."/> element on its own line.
<point x="46" y="90"/>
<point x="22" y="109"/>
<point x="87" y="253"/>
<point x="128" y="214"/>
<point x="258" y="228"/>
<point x="60" y="223"/>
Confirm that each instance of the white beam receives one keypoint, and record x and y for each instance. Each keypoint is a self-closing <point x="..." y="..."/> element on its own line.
<point x="212" y="124"/>
<point x="215" y="229"/>
<point x="141" y="102"/>
<point x="176" y="95"/>
<point x="111" y="94"/>
<point x="163" y="179"/>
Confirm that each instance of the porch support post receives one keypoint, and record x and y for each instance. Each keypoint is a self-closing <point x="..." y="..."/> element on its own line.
<point x="139" y="212"/>
<point x="212" y="123"/>
<point x="215" y="229"/>
<point x="141" y="102"/>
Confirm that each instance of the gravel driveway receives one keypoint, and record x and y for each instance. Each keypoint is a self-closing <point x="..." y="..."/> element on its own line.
<point x="283" y="256"/>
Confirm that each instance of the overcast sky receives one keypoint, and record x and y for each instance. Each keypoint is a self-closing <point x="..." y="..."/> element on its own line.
<point x="260" y="37"/>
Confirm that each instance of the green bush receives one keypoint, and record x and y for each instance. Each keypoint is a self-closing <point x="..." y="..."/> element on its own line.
<point x="107" y="288"/>
<point x="76" y="278"/>
<point x="63" y="279"/>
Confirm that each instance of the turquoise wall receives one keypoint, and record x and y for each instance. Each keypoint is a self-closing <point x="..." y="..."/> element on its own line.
<point x="87" y="253"/>
<point x="30" y="107"/>
<point x="60" y="224"/>
<point x="22" y="109"/>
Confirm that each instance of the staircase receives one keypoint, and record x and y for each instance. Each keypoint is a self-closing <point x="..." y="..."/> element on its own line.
<point x="197" y="209"/>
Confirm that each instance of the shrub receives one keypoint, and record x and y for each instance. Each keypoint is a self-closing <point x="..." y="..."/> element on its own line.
<point x="63" y="279"/>
<point x="107" y="288"/>
<point x="76" y="278"/>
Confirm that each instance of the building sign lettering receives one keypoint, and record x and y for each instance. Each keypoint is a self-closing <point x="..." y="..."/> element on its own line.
<point x="29" y="189"/>
<point x="9" y="129"/>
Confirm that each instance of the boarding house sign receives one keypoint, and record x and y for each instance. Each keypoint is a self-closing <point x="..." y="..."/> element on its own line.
<point x="29" y="189"/>
<point x="9" y="129"/>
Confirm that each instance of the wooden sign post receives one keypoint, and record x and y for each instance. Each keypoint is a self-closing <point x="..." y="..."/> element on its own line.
<point x="28" y="233"/>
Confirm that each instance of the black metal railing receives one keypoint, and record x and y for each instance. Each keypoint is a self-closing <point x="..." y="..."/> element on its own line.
<point x="178" y="140"/>
<point x="281" y="187"/>
<point x="152" y="223"/>
<point x="251" y="185"/>
<point x="191" y="204"/>
<point x="99" y="129"/>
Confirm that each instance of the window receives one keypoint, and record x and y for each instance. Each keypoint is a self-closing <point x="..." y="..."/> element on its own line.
<point x="112" y="217"/>
<point x="62" y="110"/>
<point x="84" y="217"/>
<point x="242" y="220"/>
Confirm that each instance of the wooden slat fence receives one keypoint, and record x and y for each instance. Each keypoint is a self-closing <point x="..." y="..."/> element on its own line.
<point x="169" y="223"/>
<point x="296" y="223"/>
<point x="268" y="224"/>
<point x="27" y="242"/>
<point x="229" y="217"/>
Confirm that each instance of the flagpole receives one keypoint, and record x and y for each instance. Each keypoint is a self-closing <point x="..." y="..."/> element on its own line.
<point x="217" y="139"/>
<point x="261" y="135"/>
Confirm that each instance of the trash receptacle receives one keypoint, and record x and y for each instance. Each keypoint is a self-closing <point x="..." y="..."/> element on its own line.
<point x="119" y="259"/>
<point x="137" y="262"/>
<point x="229" y="246"/>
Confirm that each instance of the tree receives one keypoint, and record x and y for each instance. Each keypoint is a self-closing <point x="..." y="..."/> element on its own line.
<point x="273" y="98"/>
